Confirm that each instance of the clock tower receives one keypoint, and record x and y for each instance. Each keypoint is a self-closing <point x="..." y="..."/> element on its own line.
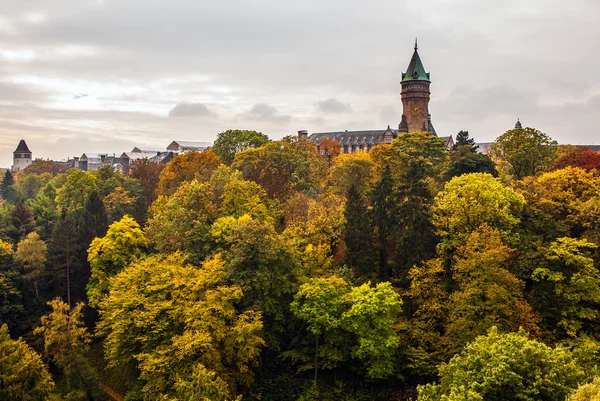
<point x="415" y="97"/>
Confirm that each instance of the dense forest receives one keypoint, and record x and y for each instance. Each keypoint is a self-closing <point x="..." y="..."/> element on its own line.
<point x="276" y="270"/>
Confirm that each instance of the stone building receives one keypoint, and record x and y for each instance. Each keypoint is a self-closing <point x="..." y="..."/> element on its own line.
<point x="21" y="157"/>
<point x="415" y="114"/>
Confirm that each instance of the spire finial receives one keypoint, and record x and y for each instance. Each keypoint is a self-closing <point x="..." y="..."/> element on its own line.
<point x="416" y="45"/>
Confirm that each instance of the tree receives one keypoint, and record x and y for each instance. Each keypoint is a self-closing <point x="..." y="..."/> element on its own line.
<point x="352" y="169"/>
<point x="22" y="373"/>
<point x="571" y="282"/>
<point x="230" y="142"/>
<point x="119" y="203"/>
<point x="487" y="293"/>
<point x="472" y="199"/>
<point x="22" y="223"/>
<point x="11" y="305"/>
<point x="329" y="149"/>
<point x="577" y="156"/>
<point x="526" y="151"/>
<point x="242" y="197"/>
<point x="464" y="161"/>
<point x="7" y="189"/>
<point x="148" y="175"/>
<point x="587" y="392"/>
<point x="31" y="253"/>
<point x="382" y="202"/>
<point x="506" y="367"/>
<point x="353" y="322"/>
<point x="66" y="342"/>
<point x="170" y="317"/>
<point x="320" y="303"/>
<point x="42" y="166"/>
<point x="185" y="168"/>
<point x="463" y="140"/>
<point x="64" y="248"/>
<point x="44" y="210"/>
<point x="258" y="261"/>
<point x="95" y="219"/>
<point x="203" y="385"/>
<point x="28" y="185"/>
<point x="358" y="235"/>
<point x="181" y="222"/>
<point x="282" y="167"/>
<point x="123" y="244"/>
<point x="73" y="194"/>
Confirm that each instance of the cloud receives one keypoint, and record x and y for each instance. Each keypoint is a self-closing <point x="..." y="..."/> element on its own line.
<point x="264" y="112"/>
<point x="333" y="106"/>
<point x="191" y="110"/>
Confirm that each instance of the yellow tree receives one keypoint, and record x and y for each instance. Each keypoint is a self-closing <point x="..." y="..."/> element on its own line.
<point x="185" y="168"/>
<point x="31" y="253"/>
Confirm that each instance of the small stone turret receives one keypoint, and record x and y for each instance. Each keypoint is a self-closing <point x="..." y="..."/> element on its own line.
<point x="21" y="157"/>
<point x="303" y="135"/>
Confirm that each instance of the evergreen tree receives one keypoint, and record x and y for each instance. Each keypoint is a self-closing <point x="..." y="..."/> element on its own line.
<point x="7" y="189"/>
<point x="95" y="220"/>
<point x="415" y="232"/>
<point x="358" y="234"/>
<point x="22" y="223"/>
<point x="64" y="249"/>
<point x="462" y="139"/>
<point x="382" y="202"/>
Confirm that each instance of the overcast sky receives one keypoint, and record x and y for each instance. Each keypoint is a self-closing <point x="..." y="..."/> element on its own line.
<point x="106" y="75"/>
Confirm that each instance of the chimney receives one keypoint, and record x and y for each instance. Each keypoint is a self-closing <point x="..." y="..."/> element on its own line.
<point x="303" y="135"/>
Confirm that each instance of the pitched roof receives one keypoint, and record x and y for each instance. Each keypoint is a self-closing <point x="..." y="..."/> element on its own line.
<point x="139" y="155"/>
<point x="22" y="147"/>
<point x="192" y="144"/>
<point x="415" y="70"/>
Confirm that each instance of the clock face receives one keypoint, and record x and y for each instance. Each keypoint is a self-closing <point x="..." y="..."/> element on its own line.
<point x="415" y="111"/>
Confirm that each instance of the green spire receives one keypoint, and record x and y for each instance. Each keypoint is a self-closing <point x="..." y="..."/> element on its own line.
<point x="415" y="70"/>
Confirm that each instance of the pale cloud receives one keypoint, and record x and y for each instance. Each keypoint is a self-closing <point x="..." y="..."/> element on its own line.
<point x="191" y="110"/>
<point x="333" y="106"/>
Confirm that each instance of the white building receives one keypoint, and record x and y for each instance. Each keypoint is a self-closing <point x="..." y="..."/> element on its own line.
<point x="21" y="157"/>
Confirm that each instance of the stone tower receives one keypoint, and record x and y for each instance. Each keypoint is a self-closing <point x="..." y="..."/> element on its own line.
<point x="21" y="157"/>
<point x="415" y="97"/>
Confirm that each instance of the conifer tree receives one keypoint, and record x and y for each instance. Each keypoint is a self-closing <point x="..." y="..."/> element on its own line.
<point x="358" y="234"/>
<point x="7" y="189"/>
<point x="462" y="139"/>
<point x="382" y="202"/>
<point x="95" y="220"/>
<point x="63" y="249"/>
<point x="22" y="223"/>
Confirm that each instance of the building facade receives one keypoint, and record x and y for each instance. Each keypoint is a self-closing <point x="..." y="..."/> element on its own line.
<point x="21" y="157"/>
<point x="415" y="94"/>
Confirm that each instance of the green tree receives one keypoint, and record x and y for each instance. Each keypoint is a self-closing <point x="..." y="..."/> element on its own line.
<point x="23" y="375"/>
<point x="465" y="160"/>
<point x="230" y="142"/>
<point x="506" y="367"/>
<point x="170" y="317"/>
<point x="352" y="322"/>
<point x="73" y="194"/>
<point x="463" y="140"/>
<point x="472" y="199"/>
<point x="358" y="235"/>
<point x="570" y="282"/>
<point x="382" y="202"/>
<point x="523" y="152"/>
<point x="123" y="244"/>
<point x="31" y="253"/>
<point x="28" y="185"/>
<point x="64" y="248"/>
<point x="66" y="342"/>
<point x="352" y="169"/>
<point x="7" y="189"/>
<point x="11" y="305"/>
<point x="320" y="303"/>
<point x="44" y="210"/>
<point x="181" y="222"/>
<point x="203" y="385"/>
<point x="22" y="223"/>
<point x="95" y="219"/>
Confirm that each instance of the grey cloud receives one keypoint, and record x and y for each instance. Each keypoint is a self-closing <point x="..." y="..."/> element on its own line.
<point x="191" y="110"/>
<point x="333" y="105"/>
<point x="264" y="112"/>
